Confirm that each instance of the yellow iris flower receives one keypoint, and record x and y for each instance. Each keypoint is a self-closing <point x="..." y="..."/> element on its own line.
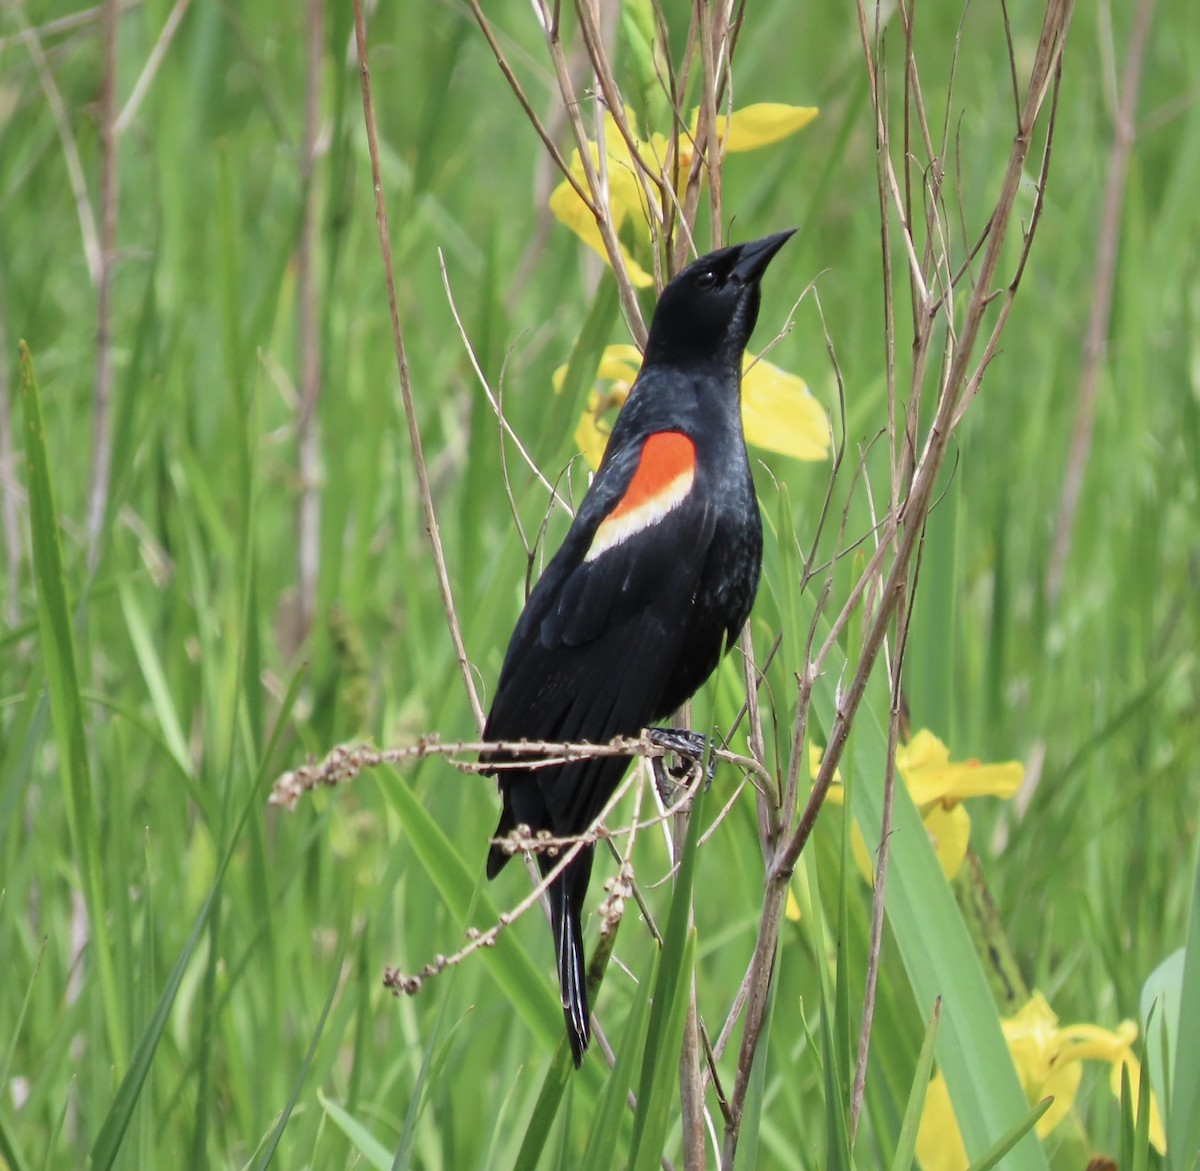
<point x="938" y="786"/>
<point x="629" y="201"/>
<point x="778" y="412"/>
<point x="1047" y="1058"/>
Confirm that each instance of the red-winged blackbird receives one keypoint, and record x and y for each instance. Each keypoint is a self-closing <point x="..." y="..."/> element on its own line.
<point x="653" y="582"/>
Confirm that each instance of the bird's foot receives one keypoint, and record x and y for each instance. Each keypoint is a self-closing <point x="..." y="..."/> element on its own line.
<point x="691" y="749"/>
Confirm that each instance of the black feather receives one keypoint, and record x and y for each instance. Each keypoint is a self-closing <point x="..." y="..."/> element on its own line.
<point x="608" y="646"/>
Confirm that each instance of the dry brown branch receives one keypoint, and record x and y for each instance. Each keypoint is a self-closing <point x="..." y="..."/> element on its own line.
<point x="654" y="187"/>
<point x="410" y="985"/>
<point x="410" y="412"/>
<point x="343" y="763"/>
<point x="893" y="561"/>
<point x="598" y="204"/>
<point x="509" y="76"/>
<point x="565" y="850"/>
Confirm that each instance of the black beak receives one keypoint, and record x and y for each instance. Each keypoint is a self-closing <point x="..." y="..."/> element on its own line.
<point x="756" y="255"/>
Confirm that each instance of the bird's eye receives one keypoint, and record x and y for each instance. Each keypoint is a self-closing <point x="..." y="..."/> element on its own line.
<point x="707" y="279"/>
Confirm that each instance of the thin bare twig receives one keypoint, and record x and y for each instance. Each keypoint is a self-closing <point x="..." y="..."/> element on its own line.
<point x="66" y="24"/>
<point x="901" y="529"/>
<point x="410" y="412"/>
<point x="598" y="204"/>
<point x="565" y="850"/>
<point x="308" y="426"/>
<point x="102" y="388"/>
<point x="509" y="76"/>
<point x="343" y="763"/>
<point x="493" y="400"/>
<point x="150" y="69"/>
<point x="653" y="186"/>
<point x="88" y="230"/>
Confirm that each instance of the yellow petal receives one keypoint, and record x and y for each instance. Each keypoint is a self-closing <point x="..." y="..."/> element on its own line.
<point x="620" y="364"/>
<point x="760" y="125"/>
<point x="619" y="368"/>
<point x="1033" y="1041"/>
<point x="952" y="783"/>
<point x="1036" y="1044"/>
<point x="1086" y="1042"/>
<point x="1062" y="1085"/>
<point x="626" y="195"/>
<point x="793" y="907"/>
<point x="922" y="749"/>
<point x="864" y="859"/>
<point x="591" y="437"/>
<point x="572" y="212"/>
<point x="816" y="754"/>
<point x="939" y="1141"/>
<point x="779" y="414"/>
<point x="835" y="794"/>
<point x="950" y="833"/>
<point x="924" y="762"/>
<point x="1158" y="1136"/>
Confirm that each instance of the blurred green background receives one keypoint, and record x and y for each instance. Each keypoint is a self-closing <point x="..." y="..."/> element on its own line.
<point x="187" y="636"/>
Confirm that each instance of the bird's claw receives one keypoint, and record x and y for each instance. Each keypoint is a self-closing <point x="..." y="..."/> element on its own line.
<point x="691" y="748"/>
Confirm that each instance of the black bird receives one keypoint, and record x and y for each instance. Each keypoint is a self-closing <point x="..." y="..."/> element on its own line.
<point x="653" y="582"/>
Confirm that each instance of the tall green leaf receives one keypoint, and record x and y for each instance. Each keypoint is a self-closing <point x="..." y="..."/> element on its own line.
<point x="66" y="704"/>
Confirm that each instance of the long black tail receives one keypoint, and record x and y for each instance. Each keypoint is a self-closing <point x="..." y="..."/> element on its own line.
<point x="566" y="898"/>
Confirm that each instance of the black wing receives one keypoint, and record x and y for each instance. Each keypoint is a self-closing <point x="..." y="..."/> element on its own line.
<point x="596" y="648"/>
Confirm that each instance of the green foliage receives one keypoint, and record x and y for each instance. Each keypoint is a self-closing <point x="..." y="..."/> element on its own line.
<point x="194" y="977"/>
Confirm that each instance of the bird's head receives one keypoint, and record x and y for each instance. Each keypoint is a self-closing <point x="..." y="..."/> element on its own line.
<point x="708" y="311"/>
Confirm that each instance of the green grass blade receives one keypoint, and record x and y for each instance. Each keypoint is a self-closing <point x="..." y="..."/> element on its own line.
<point x="907" y="1146"/>
<point x="581" y="367"/>
<point x="661" y="1061"/>
<point x="1135" y="1127"/>
<point x="66" y="704"/>
<point x="112" y="1130"/>
<point x="526" y="988"/>
<point x="268" y="1153"/>
<point x="934" y="943"/>
<point x="1160" y="1007"/>
<point x="426" y="1075"/>
<point x="6" y="1061"/>
<point x="154" y="676"/>
<point x="1183" y="1129"/>
<point x="606" y="1128"/>
<point x="545" y="1110"/>
<point x="672" y="983"/>
<point x="1009" y="1140"/>
<point x="363" y="1141"/>
<point x="838" y="1156"/>
<point x="12" y="1155"/>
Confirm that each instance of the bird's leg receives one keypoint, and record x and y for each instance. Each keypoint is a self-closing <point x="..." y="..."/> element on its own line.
<point x="691" y="748"/>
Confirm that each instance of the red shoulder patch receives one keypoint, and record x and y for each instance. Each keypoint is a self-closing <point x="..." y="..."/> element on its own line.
<point x="663" y="478"/>
<point x="666" y="456"/>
